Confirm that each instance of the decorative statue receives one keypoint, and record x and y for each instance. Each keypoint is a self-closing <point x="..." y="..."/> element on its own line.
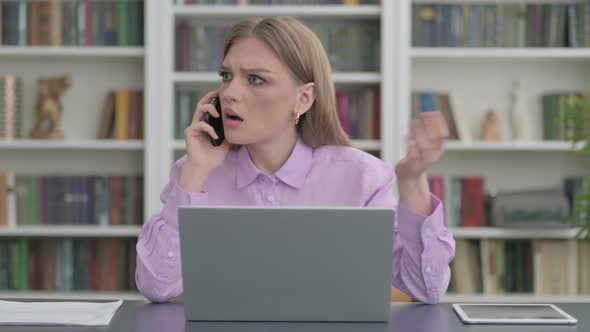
<point x="48" y="109"/>
<point x="491" y="127"/>
<point x="518" y="126"/>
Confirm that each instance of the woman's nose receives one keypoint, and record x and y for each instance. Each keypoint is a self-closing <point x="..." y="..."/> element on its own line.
<point x="229" y="92"/>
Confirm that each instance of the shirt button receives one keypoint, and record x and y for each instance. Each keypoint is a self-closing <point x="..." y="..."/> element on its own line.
<point x="270" y="198"/>
<point x="428" y="231"/>
<point x="170" y="254"/>
<point x="428" y="269"/>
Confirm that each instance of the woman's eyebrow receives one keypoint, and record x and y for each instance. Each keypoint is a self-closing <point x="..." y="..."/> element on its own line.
<point x="248" y="70"/>
<point x="256" y="70"/>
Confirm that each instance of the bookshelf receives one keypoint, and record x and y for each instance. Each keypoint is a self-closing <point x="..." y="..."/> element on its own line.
<point x="480" y="78"/>
<point x="96" y="66"/>
<point x="174" y="80"/>
<point x="404" y="68"/>
<point x="98" y="69"/>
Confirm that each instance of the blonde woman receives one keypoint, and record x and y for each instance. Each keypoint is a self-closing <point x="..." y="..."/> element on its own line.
<point x="284" y="146"/>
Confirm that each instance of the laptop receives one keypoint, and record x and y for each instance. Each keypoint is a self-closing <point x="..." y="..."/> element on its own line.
<point x="286" y="264"/>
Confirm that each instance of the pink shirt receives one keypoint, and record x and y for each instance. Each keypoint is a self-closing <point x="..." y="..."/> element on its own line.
<point x="324" y="176"/>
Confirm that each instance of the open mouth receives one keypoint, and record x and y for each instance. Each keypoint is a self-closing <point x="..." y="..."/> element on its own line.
<point x="234" y="117"/>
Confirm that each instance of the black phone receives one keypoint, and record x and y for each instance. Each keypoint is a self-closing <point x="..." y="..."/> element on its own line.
<point x="216" y="123"/>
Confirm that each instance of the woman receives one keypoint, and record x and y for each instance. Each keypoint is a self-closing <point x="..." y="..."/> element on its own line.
<point x="279" y="114"/>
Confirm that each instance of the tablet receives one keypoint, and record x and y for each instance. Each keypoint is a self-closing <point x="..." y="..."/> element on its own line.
<point x="504" y="313"/>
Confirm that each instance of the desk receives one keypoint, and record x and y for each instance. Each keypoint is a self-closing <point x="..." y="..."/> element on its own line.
<point x="136" y="316"/>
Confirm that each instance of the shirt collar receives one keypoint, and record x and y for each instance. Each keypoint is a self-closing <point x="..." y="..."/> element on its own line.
<point x="293" y="172"/>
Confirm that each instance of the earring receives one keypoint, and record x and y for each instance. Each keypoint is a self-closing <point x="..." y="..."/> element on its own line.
<point x="297" y="119"/>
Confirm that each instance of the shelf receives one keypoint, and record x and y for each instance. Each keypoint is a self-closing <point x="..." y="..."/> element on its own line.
<point x="357" y="78"/>
<point x="73" y="295"/>
<point x="363" y="144"/>
<point x="341" y="78"/>
<point x="29" y="144"/>
<point x="367" y="144"/>
<point x="483" y="1"/>
<point x="515" y="298"/>
<point x="462" y="53"/>
<point x="512" y="233"/>
<point x="127" y="145"/>
<point x="512" y="146"/>
<point x="319" y="11"/>
<point x="74" y="51"/>
<point x="93" y="231"/>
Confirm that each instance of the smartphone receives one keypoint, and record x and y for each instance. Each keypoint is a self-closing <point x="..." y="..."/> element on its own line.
<point x="216" y="123"/>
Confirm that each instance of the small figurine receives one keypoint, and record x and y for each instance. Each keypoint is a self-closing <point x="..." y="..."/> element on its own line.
<point x="518" y="126"/>
<point x="491" y="127"/>
<point x="49" y="109"/>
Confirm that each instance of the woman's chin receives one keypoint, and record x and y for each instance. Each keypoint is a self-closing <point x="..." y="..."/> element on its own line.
<point x="236" y="140"/>
<point x="241" y="139"/>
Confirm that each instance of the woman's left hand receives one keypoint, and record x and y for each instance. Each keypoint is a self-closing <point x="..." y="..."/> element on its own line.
<point x="424" y="145"/>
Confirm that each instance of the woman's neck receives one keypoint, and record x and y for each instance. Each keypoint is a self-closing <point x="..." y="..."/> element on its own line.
<point x="270" y="156"/>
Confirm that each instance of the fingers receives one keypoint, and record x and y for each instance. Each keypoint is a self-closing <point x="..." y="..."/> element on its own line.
<point x="195" y="130"/>
<point x="201" y="110"/>
<point x="419" y="134"/>
<point x="412" y="152"/>
<point x="430" y="129"/>
<point x="435" y="124"/>
<point x="425" y="142"/>
<point x="208" y="98"/>
<point x="204" y="106"/>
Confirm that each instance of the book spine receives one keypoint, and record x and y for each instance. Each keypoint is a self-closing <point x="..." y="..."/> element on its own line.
<point x="122" y="115"/>
<point x="88" y="23"/>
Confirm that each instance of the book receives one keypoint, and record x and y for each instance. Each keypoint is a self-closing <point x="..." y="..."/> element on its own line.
<point x="10" y="107"/>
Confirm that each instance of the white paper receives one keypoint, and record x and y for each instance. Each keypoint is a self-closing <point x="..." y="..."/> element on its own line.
<point x="57" y="313"/>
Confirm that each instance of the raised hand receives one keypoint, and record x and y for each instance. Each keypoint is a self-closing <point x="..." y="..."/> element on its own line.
<point x="425" y="145"/>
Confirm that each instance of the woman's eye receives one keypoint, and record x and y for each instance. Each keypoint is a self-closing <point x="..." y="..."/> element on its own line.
<point x="256" y="80"/>
<point x="225" y="76"/>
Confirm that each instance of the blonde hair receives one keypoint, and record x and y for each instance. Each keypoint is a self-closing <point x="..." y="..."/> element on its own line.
<point x="301" y="50"/>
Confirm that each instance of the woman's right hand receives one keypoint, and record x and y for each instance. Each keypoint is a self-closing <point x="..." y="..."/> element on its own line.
<point x="202" y="156"/>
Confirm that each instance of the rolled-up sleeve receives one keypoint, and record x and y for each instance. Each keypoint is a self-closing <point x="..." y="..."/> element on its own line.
<point x="158" y="272"/>
<point x="423" y="247"/>
<point x="423" y="250"/>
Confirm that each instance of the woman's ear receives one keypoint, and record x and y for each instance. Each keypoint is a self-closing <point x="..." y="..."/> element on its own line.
<point x="305" y="98"/>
